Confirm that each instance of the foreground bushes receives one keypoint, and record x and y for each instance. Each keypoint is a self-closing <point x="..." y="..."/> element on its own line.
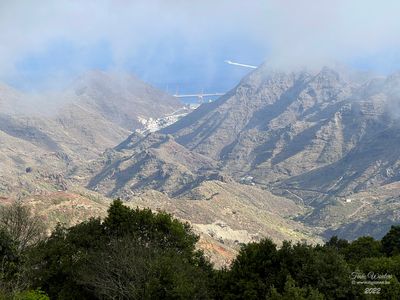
<point x="300" y="271"/>
<point x="132" y="254"/>
<point x="137" y="254"/>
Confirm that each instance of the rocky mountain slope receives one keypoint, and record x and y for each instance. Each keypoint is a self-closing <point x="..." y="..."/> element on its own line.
<point x="276" y="126"/>
<point x="53" y="133"/>
<point x="288" y="155"/>
<point x="316" y="137"/>
<point x="46" y="155"/>
<point x="122" y="98"/>
<point x="155" y="162"/>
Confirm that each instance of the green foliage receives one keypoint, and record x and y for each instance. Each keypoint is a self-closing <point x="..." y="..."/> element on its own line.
<point x="24" y="227"/>
<point x="381" y="265"/>
<point x="54" y="262"/>
<point x="138" y="254"/>
<point x="261" y="266"/>
<point x="338" y="244"/>
<point x="9" y="260"/>
<point x="160" y="229"/>
<point x="391" y="241"/>
<point x="19" y="230"/>
<point x="133" y="254"/>
<point x="132" y="271"/>
<point x="392" y="290"/>
<point x="291" y="292"/>
<point x="32" y="295"/>
<point x="361" y="248"/>
<point x="384" y="265"/>
<point x="252" y="272"/>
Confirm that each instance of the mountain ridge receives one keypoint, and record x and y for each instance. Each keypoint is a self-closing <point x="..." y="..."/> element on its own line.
<point x="55" y="132"/>
<point x="275" y="130"/>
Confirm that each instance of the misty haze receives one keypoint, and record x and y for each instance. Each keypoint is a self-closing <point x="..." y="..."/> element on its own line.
<point x="200" y="150"/>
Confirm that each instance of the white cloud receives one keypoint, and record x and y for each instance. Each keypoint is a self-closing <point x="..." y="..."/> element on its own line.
<point x="295" y="32"/>
<point x="316" y="31"/>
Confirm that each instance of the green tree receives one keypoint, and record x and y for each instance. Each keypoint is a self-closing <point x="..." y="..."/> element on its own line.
<point x="126" y="269"/>
<point x="383" y="266"/>
<point x="261" y="267"/>
<point x="160" y="228"/>
<point x="321" y="268"/>
<point x="133" y="254"/>
<point x="20" y="229"/>
<point x="291" y="292"/>
<point x="391" y="241"/>
<point x="55" y="261"/>
<point x="24" y="227"/>
<point x="339" y="245"/>
<point x="361" y="248"/>
<point x="9" y="262"/>
<point x="252" y="272"/>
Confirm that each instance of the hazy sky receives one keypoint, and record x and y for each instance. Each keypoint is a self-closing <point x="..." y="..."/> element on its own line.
<point x="183" y="43"/>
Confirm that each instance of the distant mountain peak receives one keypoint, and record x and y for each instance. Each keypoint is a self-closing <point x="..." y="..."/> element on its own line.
<point x="329" y="74"/>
